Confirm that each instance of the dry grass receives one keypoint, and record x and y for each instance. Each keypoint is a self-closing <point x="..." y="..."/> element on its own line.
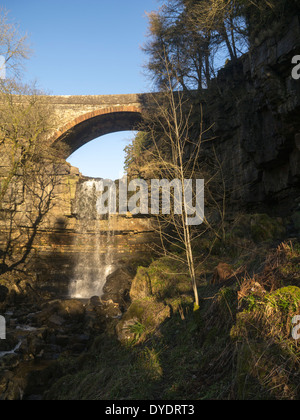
<point x="268" y="356"/>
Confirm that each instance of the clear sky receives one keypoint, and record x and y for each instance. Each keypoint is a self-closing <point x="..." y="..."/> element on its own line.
<point x="87" y="47"/>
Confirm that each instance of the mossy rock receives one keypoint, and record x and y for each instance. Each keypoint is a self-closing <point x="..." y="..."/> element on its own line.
<point x="268" y="316"/>
<point x="267" y="355"/>
<point x="164" y="278"/>
<point x="147" y="312"/>
<point x="287" y="299"/>
<point x="259" y="228"/>
<point x="141" y="286"/>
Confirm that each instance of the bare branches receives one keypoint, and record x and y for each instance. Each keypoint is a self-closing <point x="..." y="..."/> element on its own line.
<point x="13" y="47"/>
<point x="24" y="217"/>
<point x="172" y="152"/>
<point x="171" y="118"/>
<point x="25" y="122"/>
<point x="28" y="174"/>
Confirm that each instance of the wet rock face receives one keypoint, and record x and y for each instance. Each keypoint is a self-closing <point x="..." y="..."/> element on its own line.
<point x="56" y="264"/>
<point x="72" y="244"/>
<point x="118" y="285"/>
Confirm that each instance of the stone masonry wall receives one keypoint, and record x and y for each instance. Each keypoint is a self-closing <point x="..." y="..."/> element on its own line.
<point x="59" y="239"/>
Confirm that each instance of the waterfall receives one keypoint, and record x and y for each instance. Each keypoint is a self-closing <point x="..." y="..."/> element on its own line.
<point x="94" y="240"/>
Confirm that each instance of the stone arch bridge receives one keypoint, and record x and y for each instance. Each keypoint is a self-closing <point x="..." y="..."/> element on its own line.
<point x="80" y="119"/>
<point x="61" y="238"/>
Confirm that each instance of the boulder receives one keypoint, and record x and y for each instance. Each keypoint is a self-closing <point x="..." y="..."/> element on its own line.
<point x="117" y="286"/>
<point x="125" y="331"/>
<point x="56" y="321"/>
<point x="110" y="309"/>
<point x="147" y="313"/>
<point x="57" y="312"/>
<point x="71" y="309"/>
<point x="141" y="285"/>
<point x="94" y="302"/>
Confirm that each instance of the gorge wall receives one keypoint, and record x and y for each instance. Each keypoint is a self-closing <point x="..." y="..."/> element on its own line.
<point x="254" y="107"/>
<point x="77" y="249"/>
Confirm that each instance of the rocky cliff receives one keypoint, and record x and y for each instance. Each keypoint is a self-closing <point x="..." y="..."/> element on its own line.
<point x="254" y="107"/>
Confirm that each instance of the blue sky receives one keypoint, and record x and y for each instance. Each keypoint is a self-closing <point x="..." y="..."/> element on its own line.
<point x="87" y="47"/>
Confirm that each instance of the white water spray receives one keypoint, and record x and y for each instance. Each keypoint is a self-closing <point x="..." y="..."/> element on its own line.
<point x="95" y="263"/>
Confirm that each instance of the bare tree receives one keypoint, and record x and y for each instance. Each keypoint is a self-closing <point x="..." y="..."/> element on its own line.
<point x="25" y="122"/>
<point x="168" y="152"/>
<point x="30" y="198"/>
<point x="13" y="48"/>
<point x="22" y="119"/>
<point x="175" y="156"/>
<point x="28" y="172"/>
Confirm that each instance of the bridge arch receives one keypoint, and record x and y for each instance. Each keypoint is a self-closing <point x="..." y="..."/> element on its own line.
<point x="92" y="125"/>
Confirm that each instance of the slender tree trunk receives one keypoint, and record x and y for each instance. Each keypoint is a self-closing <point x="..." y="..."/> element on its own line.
<point x="227" y="41"/>
<point x="232" y="38"/>
<point x="185" y="226"/>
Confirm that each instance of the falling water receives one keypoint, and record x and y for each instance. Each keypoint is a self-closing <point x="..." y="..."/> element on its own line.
<point x="95" y="260"/>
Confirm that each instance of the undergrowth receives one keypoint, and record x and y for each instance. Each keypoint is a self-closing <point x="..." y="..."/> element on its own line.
<point x="237" y="346"/>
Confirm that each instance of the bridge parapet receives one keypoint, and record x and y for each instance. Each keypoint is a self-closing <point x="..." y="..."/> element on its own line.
<point x="69" y="108"/>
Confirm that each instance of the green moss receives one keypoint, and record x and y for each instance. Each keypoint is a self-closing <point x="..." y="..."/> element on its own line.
<point x="258" y="227"/>
<point x="164" y="279"/>
<point x="287" y="299"/>
<point x="267" y="355"/>
<point x="149" y="315"/>
<point x="136" y="310"/>
<point x="269" y="314"/>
